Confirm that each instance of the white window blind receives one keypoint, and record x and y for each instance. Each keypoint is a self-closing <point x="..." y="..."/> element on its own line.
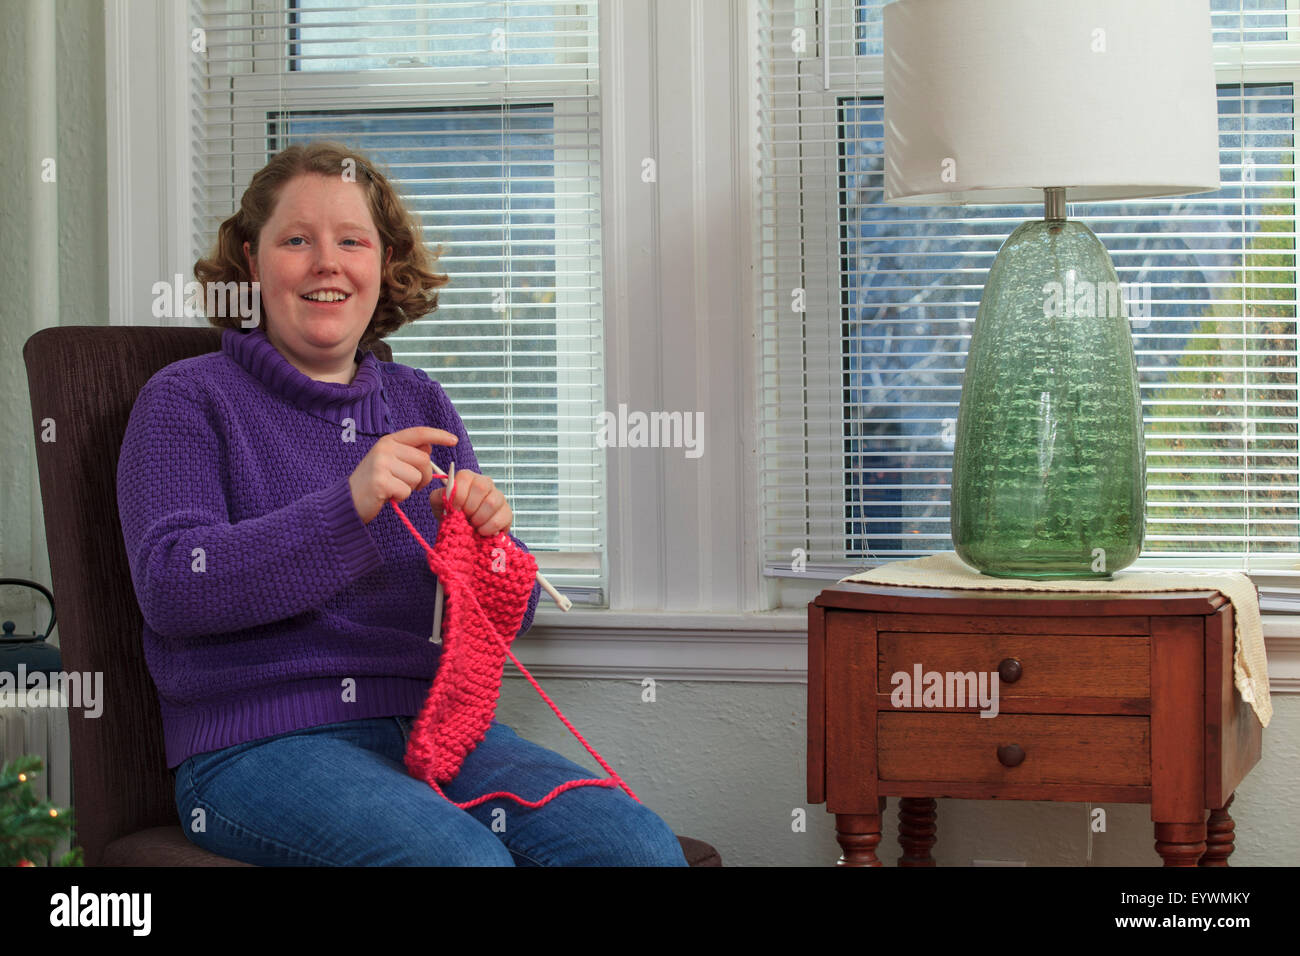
<point x="867" y="311"/>
<point x="486" y="118"/>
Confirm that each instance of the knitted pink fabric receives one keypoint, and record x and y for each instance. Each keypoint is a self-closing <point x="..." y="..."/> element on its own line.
<point x="487" y="584"/>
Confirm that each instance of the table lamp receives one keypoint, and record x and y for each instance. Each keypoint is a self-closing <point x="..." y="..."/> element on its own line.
<point x="1012" y="101"/>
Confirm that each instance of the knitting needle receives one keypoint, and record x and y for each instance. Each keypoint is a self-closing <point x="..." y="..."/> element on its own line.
<point x="436" y="637"/>
<point x="562" y="602"/>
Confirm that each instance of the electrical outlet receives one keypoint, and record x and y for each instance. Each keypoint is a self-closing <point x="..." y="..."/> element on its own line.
<point x="998" y="863"/>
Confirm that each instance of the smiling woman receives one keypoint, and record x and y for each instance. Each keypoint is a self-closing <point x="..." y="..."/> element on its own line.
<point x="319" y="217"/>
<point x="287" y="612"/>
<point x="319" y="270"/>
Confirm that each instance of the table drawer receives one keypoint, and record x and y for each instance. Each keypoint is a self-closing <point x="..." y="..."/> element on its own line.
<point x="1057" y="749"/>
<point x="1111" y="667"/>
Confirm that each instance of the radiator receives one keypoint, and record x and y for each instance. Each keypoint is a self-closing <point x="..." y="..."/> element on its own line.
<point x="43" y="731"/>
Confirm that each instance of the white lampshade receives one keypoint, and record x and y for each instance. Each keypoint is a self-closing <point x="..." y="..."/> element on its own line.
<point x="992" y="101"/>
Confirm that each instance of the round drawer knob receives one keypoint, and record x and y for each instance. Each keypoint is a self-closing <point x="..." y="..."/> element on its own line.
<point x="1011" y="755"/>
<point x="1009" y="671"/>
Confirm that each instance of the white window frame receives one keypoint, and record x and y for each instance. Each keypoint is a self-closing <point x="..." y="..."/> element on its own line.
<point x="1259" y="63"/>
<point x="259" y="94"/>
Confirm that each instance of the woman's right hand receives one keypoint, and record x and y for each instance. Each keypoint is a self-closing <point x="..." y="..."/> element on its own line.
<point x="396" y="467"/>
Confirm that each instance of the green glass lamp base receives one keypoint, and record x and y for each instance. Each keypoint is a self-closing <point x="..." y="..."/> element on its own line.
<point x="1049" y="465"/>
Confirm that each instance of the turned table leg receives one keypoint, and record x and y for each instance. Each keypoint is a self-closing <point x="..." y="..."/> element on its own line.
<point x="1220" y="834"/>
<point x="1180" y="844"/>
<point x="859" y="835"/>
<point x="916" y="828"/>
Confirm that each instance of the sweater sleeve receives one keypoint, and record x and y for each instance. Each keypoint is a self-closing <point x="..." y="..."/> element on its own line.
<point x="194" y="572"/>
<point x="463" y="454"/>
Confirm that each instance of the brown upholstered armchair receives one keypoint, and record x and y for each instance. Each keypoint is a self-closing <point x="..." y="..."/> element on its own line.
<point x="83" y="382"/>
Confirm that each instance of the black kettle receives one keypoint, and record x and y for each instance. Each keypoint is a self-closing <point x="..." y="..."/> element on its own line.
<point x="29" y="649"/>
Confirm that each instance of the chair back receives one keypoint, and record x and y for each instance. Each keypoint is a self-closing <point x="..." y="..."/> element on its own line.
<point x="83" y="382"/>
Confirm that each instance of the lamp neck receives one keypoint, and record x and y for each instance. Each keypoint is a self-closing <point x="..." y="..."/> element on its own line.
<point x="1054" y="202"/>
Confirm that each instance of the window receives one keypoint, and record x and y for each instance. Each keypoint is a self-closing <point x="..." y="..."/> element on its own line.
<point x="867" y="311"/>
<point x="486" y="117"/>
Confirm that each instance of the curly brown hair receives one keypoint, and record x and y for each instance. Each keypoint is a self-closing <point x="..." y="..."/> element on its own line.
<point x="408" y="282"/>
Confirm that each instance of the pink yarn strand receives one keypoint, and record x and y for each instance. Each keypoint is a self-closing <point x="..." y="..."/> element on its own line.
<point x="613" y="780"/>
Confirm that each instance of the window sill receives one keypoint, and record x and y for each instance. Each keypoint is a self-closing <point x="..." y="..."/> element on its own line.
<point x="769" y="647"/>
<point x="763" y="647"/>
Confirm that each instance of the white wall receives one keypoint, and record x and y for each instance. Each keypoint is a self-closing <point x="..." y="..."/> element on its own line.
<point x="53" y="240"/>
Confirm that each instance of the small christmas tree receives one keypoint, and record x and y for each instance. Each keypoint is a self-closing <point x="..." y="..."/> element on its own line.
<point x="29" y="828"/>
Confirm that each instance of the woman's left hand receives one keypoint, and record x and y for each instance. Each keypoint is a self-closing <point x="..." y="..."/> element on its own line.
<point x="481" y="500"/>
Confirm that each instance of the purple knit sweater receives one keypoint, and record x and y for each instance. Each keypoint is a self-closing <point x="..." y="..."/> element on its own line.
<point x="269" y="606"/>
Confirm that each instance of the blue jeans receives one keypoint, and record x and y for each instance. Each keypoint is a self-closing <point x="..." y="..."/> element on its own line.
<point x="339" y="795"/>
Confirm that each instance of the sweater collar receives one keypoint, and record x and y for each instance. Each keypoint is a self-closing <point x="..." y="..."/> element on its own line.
<point x="362" y="399"/>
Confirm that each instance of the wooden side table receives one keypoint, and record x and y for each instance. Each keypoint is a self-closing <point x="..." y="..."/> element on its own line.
<point x="1120" y="698"/>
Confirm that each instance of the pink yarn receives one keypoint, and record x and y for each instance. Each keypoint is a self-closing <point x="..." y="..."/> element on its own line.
<point x="463" y="698"/>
